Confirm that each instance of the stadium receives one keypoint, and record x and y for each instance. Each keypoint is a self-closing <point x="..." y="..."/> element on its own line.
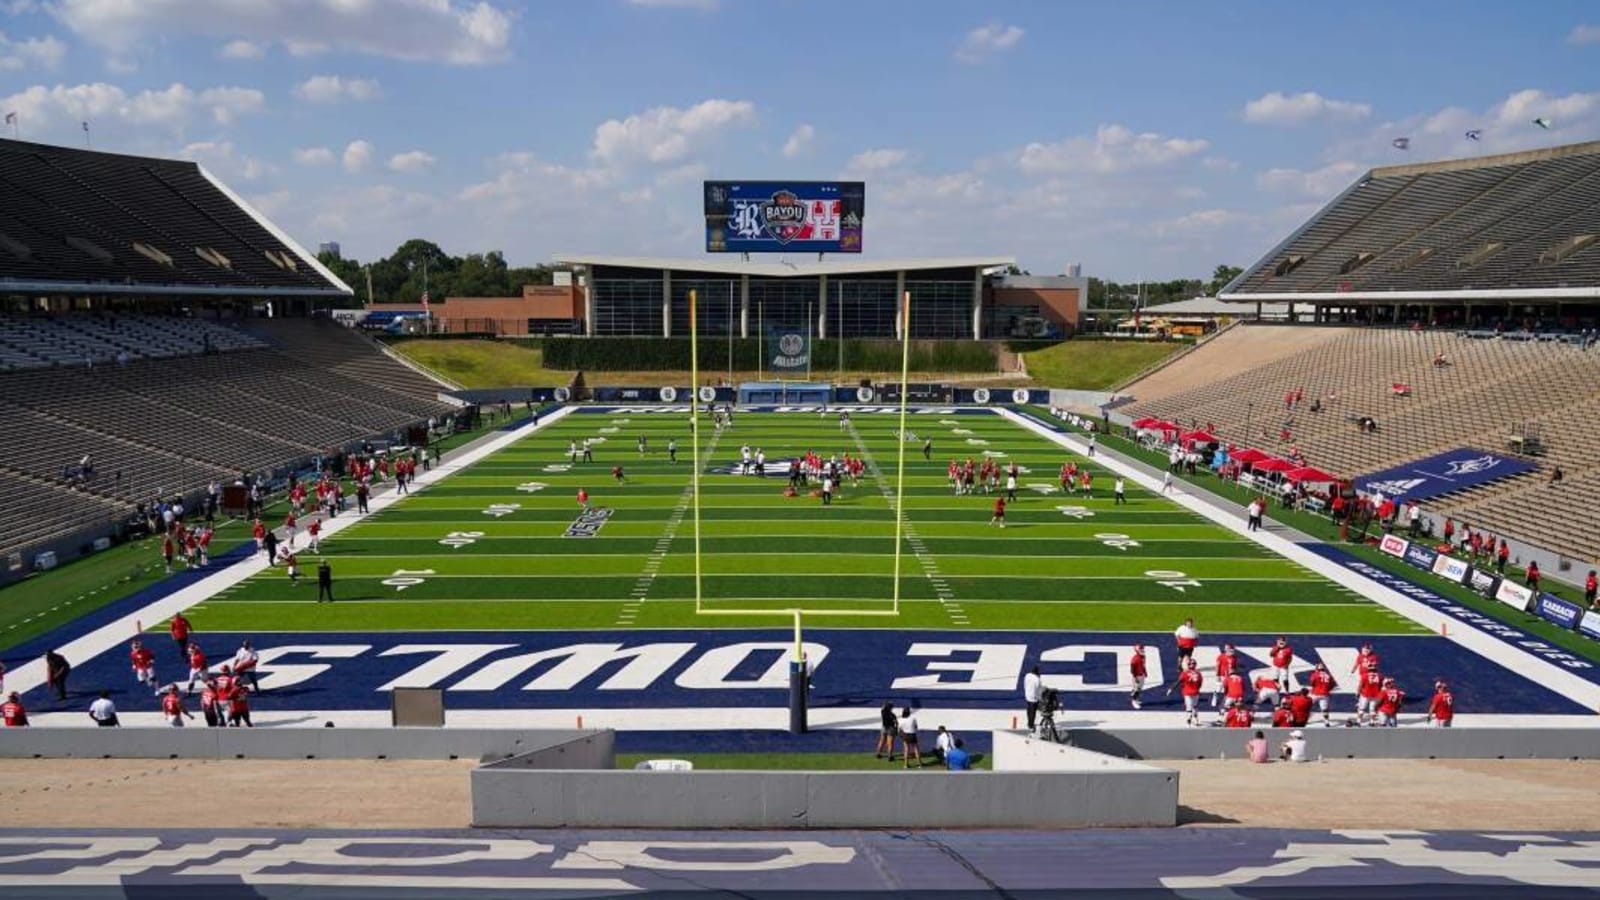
<point x="651" y="591"/>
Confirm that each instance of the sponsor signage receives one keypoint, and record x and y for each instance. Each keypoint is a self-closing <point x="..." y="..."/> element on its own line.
<point x="788" y="349"/>
<point x="1450" y="568"/>
<point x="1512" y="594"/>
<point x="1562" y="612"/>
<point x="1590" y="624"/>
<point x="1394" y="546"/>
<point x="1483" y="582"/>
<point x="1421" y="557"/>
<point x="1453" y="471"/>
<point x="589" y="522"/>
<point x="784" y="216"/>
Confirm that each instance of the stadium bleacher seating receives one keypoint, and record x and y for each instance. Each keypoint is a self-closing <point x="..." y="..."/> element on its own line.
<point x="1489" y="391"/>
<point x="267" y="393"/>
<point x="1516" y="221"/>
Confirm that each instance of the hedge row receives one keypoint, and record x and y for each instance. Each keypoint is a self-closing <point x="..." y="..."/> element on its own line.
<point x="640" y="354"/>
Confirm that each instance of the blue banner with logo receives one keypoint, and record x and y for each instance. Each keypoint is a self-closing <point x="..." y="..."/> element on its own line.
<point x="1420" y="556"/>
<point x="1554" y="609"/>
<point x="788" y="348"/>
<point x="784" y="216"/>
<point x="1441" y="474"/>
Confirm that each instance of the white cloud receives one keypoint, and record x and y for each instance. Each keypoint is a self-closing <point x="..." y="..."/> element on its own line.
<point x="411" y="162"/>
<point x="314" y="156"/>
<point x="877" y="160"/>
<point x="988" y="40"/>
<point x="53" y="110"/>
<point x="1322" y="183"/>
<point x="701" y="5"/>
<point x="357" y="154"/>
<point x="220" y="158"/>
<point x="1505" y="127"/>
<point x="1114" y="148"/>
<point x="242" y="50"/>
<point x="1278" y="108"/>
<point x="799" y="142"/>
<point x="332" y="89"/>
<point x="30" y="53"/>
<point x="1584" y="34"/>
<point x="453" y="31"/>
<point x="666" y="134"/>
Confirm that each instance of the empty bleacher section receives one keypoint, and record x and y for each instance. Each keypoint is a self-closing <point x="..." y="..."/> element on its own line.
<point x="1490" y="390"/>
<point x="1492" y="229"/>
<point x="84" y="222"/>
<point x="76" y="340"/>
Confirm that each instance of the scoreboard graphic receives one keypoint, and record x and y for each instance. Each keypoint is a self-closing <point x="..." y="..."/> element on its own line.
<point x="784" y="216"/>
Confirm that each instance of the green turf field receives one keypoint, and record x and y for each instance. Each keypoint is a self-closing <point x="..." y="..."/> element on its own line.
<point x="486" y="549"/>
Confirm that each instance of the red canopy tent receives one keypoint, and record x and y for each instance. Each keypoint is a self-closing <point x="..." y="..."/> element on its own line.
<point x="1200" y="437"/>
<point x="1156" y="425"/>
<point x="1310" y="473"/>
<point x="1274" y="465"/>
<point x="1146" y="422"/>
<point x="1249" y="455"/>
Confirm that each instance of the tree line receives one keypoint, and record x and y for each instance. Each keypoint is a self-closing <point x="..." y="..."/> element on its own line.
<point x="418" y="265"/>
<point x="1115" y="295"/>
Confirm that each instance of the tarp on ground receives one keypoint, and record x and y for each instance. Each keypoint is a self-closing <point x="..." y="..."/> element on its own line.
<point x="1442" y="473"/>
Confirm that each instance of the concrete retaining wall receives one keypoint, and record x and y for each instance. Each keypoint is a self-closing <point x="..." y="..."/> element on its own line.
<point x="282" y="743"/>
<point x="1054" y="787"/>
<point x="1340" y="743"/>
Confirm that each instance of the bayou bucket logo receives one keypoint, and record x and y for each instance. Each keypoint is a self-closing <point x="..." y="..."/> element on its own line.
<point x="784" y="216"/>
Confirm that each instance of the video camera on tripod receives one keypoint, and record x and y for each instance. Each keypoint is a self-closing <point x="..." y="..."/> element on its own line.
<point x="1049" y="701"/>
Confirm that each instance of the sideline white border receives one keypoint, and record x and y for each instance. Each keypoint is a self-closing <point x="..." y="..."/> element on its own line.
<point x="1520" y="662"/>
<point x="107" y="637"/>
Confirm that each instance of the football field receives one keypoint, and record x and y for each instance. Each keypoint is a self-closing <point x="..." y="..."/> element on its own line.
<point x="494" y="584"/>
<point x="505" y="544"/>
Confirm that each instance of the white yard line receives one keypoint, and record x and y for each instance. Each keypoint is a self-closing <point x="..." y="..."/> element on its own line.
<point x="1579" y="690"/>
<point x="31" y="675"/>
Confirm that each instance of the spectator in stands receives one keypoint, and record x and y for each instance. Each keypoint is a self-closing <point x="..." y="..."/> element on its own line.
<point x="1556" y="474"/>
<point x="1530" y="576"/>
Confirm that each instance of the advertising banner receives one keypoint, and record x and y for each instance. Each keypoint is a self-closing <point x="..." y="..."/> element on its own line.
<point x="1449" y="567"/>
<point x="1462" y="468"/>
<point x="1512" y="594"/>
<point x="1484" y="582"/>
<point x="788" y="349"/>
<point x="1394" y="546"/>
<point x="1421" y="557"/>
<point x="1554" y="609"/>
<point x="1590" y="624"/>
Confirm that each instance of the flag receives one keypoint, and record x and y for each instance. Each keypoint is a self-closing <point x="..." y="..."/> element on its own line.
<point x="86" y="127"/>
<point x="1401" y="143"/>
<point x="1475" y="134"/>
<point x="1544" y="123"/>
<point x="11" y="118"/>
<point x="424" y="301"/>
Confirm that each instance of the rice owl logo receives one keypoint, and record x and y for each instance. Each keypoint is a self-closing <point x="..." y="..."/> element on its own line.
<point x="784" y="216"/>
<point x="1472" y="466"/>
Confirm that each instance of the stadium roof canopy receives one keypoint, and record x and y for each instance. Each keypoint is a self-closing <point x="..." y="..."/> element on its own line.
<point x="798" y="268"/>
<point x="1513" y="227"/>
<point x="80" y="222"/>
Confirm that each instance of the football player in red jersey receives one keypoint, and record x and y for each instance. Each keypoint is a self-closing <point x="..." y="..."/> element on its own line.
<point x="1138" y="671"/>
<point x="1227" y="664"/>
<point x="144" y="666"/>
<point x="1282" y="656"/>
<point x="1389" y="702"/>
<point x="1189" y="685"/>
<point x="1322" y="687"/>
<point x="1267" y="691"/>
<point x="1281" y="716"/>
<point x="172" y="707"/>
<point x="1367" y="694"/>
<point x="1442" y="709"/>
<point x="1239" y="716"/>
<point x="13" y="712"/>
<point x="1367" y="655"/>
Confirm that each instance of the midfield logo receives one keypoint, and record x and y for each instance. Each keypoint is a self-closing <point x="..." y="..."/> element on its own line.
<point x="589" y="522"/>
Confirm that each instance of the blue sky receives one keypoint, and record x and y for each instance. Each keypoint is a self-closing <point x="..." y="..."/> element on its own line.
<point x="1144" y="140"/>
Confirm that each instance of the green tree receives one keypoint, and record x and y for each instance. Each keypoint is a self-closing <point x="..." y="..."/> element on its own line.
<point x="1223" y="274"/>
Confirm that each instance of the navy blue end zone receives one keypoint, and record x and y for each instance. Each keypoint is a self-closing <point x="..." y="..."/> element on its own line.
<point x="746" y="668"/>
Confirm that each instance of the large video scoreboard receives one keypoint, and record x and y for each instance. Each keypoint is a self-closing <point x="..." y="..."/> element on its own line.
<point x="784" y="216"/>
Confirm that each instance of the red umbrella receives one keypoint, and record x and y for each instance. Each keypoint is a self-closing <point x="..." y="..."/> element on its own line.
<point x="1200" y="437"/>
<point x="1310" y="473"/>
<point x="1146" y="422"/>
<point x="1249" y="455"/>
<point x="1273" y="465"/>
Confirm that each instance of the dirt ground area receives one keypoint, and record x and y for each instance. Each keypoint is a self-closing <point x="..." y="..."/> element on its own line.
<point x="1503" y="795"/>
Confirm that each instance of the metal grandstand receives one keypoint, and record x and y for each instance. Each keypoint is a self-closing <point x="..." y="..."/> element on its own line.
<point x="1517" y="228"/>
<point x="85" y="222"/>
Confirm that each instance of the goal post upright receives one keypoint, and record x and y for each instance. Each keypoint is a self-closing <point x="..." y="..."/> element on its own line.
<point x="900" y="465"/>
<point x="694" y="438"/>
